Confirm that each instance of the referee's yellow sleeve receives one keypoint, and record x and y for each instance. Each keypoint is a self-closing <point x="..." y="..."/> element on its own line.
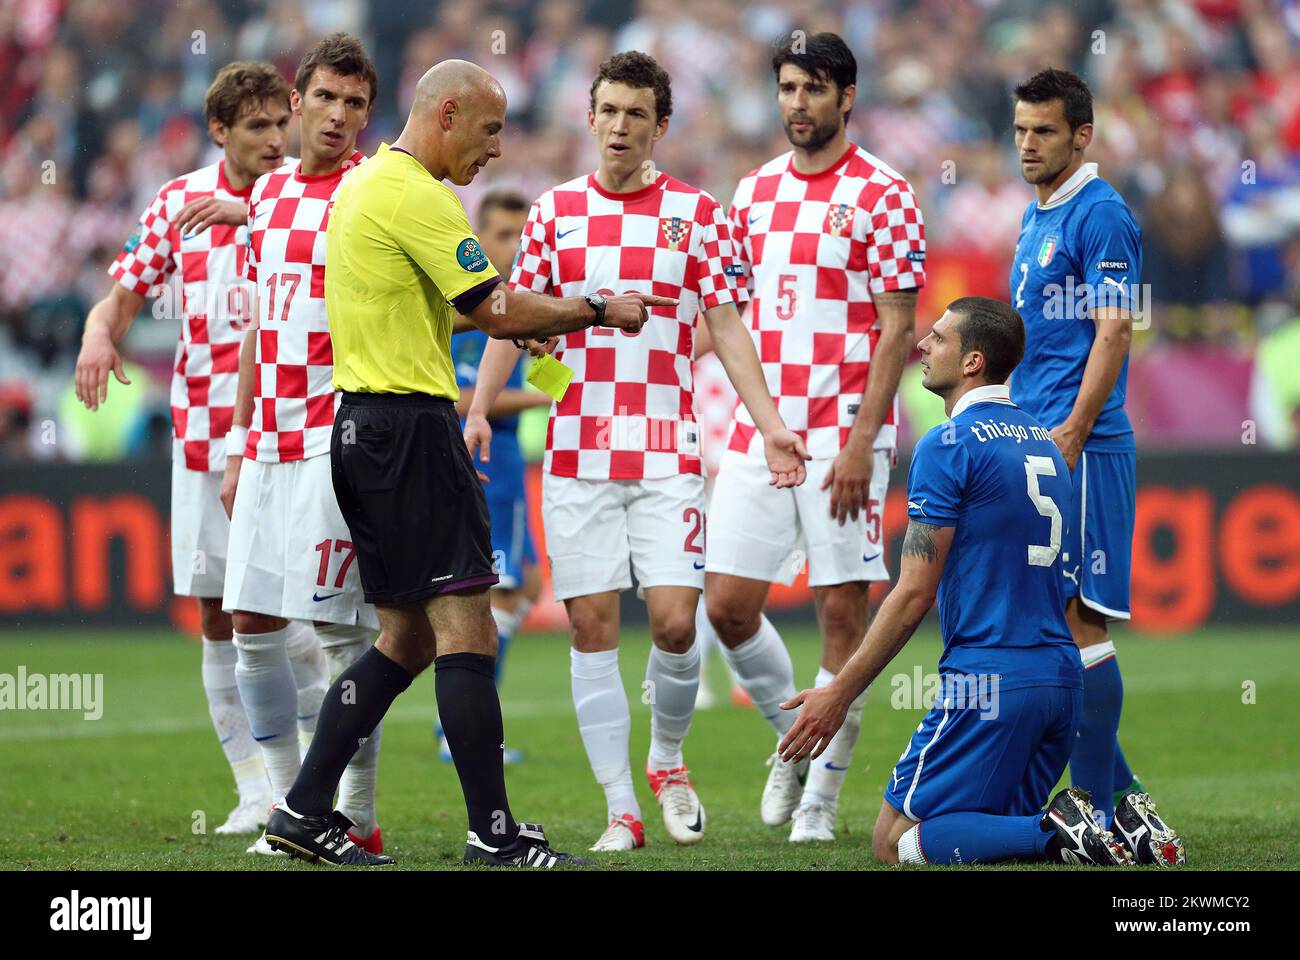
<point x="431" y="227"/>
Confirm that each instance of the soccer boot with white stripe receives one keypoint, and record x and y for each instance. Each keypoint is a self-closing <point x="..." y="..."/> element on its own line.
<point x="683" y="812"/>
<point x="783" y="790"/>
<point x="1078" y="838"/>
<point x="318" y="839"/>
<point x="623" y="833"/>
<point x="529" y="849"/>
<point x="248" y="817"/>
<point x="1145" y="835"/>
<point x="812" y="822"/>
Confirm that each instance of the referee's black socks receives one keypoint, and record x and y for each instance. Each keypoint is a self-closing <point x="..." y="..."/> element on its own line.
<point x="352" y="708"/>
<point x="470" y="712"/>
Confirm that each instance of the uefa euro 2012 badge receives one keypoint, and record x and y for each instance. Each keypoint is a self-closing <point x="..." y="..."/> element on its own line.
<point x="471" y="256"/>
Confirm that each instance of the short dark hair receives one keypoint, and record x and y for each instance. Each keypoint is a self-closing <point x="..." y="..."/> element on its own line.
<point x="823" y="55"/>
<point x="240" y="87"/>
<point x="345" y="55"/>
<point x="994" y="329"/>
<point x="637" y="70"/>
<point x="511" y="201"/>
<point x="1051" y="84"/>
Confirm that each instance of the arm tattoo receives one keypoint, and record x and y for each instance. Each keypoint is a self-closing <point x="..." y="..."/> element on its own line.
<point x="919" y="541"/>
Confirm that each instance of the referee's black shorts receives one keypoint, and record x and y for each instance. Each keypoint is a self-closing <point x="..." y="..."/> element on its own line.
<point x="410" y="496"/>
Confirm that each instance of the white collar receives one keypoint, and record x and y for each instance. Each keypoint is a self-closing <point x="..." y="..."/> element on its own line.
<point x="989" y="393"/>
<point x="1068" y="189"/>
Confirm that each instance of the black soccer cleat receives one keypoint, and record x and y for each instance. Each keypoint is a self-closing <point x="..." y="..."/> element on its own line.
<point x="318" y="839"/>
<point x="529" y="849"/>
<point x="1078" y="838"/>
<point x="1145" y="835"/>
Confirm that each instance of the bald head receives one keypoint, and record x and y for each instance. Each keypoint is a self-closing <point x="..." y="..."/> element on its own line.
<point x="457" y="80"/>
<point x="456" y="118"/>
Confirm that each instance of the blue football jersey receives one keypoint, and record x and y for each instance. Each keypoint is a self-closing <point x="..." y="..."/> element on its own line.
<point x="994" y="474"/>
<point x="1080" y="251"/>
<point x="507" y="459"/>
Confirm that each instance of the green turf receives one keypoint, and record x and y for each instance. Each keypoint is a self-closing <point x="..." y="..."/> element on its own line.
<point x="123" y="792"/>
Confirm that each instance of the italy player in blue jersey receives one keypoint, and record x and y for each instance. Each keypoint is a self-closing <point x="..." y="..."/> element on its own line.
<point x="985" y="499"/>
<point x="1076" y="283"/>
<point x="499" y="223"/>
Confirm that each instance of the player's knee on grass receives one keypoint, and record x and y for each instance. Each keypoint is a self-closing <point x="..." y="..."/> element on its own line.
<point x="215" y="622"/>
<point x="890" y="825"/>
<point x="248" y="623"/>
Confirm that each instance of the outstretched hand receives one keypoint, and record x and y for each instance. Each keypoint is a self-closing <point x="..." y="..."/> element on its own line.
<point x="822" y="715"/>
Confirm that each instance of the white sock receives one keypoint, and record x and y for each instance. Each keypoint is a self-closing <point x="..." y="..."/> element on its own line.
<point x="342" y="645"/>
<point x="674" y="679"/>
<point x="266" y="687"/>
<point x="605" y="723"/>
<point x="230" y="721"/>
<point x="826" y="774"/>
<point x="507" y="623"/>
<point x="763" y="668"/>
<point x="310" y="675"/>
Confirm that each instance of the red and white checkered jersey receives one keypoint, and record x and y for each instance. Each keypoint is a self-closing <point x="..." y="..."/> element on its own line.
<point x="204" y="272"/>
<point x="816" y="248"/>
<point x="715" y="404"/>
<point x="293" y="412"/>
<point x="629" y="412"/>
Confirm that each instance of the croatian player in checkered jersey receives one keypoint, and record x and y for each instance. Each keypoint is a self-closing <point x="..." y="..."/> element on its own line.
<point x="291" y="556"/>
<point x="623" y="485"/>
<point x="182" y="240"/>
<point x="834" y="245"/>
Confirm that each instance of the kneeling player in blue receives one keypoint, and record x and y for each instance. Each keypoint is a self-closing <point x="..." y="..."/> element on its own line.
<point x="500" y="221"/>
<point x="986" y="492"/>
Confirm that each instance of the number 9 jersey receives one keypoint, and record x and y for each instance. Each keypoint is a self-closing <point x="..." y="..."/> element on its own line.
<point x="993" y="472"/>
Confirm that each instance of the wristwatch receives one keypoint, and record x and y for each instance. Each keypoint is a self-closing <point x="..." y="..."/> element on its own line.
<point x="597" y="302"/>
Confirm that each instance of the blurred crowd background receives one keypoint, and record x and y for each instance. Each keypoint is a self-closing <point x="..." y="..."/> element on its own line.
<point x="1197" y="124"/>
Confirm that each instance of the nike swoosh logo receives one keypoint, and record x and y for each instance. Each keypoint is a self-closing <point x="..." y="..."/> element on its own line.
<point x="698" y="565"/>
<point x="318" y="598"/>
<point x="262" y="739"/>
<point x="561" y="234"/>
<point x="755" y="218"/>
<point x="831" y="766"/>
<point x="698" y="825"/>
<point x="868" y="559"/>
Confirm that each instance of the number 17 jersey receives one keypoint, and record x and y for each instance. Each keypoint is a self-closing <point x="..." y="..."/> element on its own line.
<point x="994" y="474"/>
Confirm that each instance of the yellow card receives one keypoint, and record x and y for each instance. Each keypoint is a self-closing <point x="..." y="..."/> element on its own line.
<point x="550" y="376"/>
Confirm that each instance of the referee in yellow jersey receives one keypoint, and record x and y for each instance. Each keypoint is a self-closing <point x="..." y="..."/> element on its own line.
<point x="402" y="262"/>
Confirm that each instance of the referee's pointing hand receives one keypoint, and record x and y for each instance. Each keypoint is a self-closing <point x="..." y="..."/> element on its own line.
<point x="628" y="311"/>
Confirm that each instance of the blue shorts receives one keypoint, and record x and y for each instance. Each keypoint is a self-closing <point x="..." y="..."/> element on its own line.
<point x="512" y="542"/>
<point x="1097" y="546"/>
<point x="973" y="759"/>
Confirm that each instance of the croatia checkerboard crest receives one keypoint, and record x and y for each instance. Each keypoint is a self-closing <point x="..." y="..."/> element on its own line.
<point x="839" y="219"/>
<point x="676" y="231"/>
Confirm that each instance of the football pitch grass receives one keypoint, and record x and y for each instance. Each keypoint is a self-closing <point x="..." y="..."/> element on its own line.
<point x="132" y="789"/>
